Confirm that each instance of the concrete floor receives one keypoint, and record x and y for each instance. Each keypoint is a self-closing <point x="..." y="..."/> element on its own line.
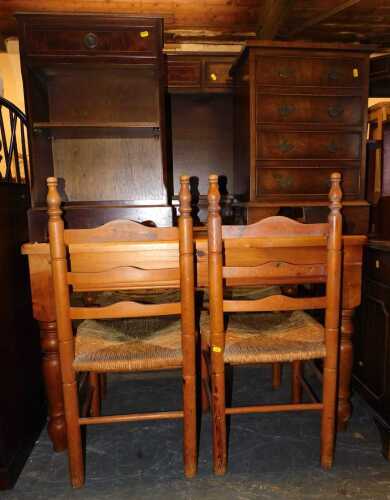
<point x="271" y="456"/>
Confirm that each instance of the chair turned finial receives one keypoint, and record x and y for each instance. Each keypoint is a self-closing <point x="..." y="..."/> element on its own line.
<point x="53" y="198"/>
<point x="335" y="193"/>
<point x="185" y="196"/>
<point x="213" y="195"/>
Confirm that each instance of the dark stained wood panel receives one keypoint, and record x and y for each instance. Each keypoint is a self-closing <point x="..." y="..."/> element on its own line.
<point x="202" y="137"/>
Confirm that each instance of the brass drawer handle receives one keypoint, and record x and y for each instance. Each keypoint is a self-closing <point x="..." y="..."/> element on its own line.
<point x="285" y="73"/>
<point x="286" y="109"/>
<point x="335" y="111"/>
<point x="90" y="40"/>
<point x="284" y="146"/>
<point x="332" y="147"/>
<point x="377" y="264"/>
<point x="334" y="75"/>
<point x="283" y="181"/>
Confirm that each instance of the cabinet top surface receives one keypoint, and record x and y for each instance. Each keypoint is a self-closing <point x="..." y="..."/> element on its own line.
<point x="270" y="44"/>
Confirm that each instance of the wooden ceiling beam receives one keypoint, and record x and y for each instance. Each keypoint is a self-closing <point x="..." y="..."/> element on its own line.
<point x="273" y="17"/>
<point x="322" y="17"/>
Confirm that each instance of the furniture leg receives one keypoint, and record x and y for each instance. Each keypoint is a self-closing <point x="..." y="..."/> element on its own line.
<point x="384" y="431"/>
<point x="94" y="382"/>
<point x="219" y="424"/>
<point x="345" y="369"/>
<point x="276" y="375"/>
<point x="103" y="385"/>
<point x="296" y="386"/>
<point x="205" y="378"/>
<point x="189" y="423"/>
<point x="52" y="376"/>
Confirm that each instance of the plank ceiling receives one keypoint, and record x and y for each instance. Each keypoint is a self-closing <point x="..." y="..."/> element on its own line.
<point x="365" y="21"/>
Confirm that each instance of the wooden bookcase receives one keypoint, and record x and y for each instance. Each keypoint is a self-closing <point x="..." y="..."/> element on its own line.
<point x="94" y="90"/>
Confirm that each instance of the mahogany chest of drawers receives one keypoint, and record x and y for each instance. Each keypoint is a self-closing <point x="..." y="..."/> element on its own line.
<point x="301" y="113"/>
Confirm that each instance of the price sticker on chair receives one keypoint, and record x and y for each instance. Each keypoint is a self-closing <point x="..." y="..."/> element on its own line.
<point x="216" y="348"/>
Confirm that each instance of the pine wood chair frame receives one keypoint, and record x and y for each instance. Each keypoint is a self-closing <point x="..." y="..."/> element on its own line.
<point x="240" y="241"/>
<point x="112" y="257"/>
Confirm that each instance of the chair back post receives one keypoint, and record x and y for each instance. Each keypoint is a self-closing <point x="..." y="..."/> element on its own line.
<point x="59" y="264"/>
<point x="187" y="291"/>
<point x="334" y="262"/>
<point x="187" y="287"/>
<point x="217" y="333"/>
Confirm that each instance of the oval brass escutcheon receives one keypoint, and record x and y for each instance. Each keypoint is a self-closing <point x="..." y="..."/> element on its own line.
<point x="335" y="111"/>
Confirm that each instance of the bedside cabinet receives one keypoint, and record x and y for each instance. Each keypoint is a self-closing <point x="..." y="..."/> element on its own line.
<point x="372" y="338"/>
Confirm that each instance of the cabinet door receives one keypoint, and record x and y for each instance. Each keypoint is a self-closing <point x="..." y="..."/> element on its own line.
<point x="372" y="342"/>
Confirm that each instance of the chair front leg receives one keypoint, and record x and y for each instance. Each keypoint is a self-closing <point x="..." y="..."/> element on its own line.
<point x="94" y="382"/>
<point x="190" y="453"/>
<point x="296" y="386"/>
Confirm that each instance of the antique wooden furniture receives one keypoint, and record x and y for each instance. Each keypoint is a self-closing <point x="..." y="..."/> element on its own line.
<point x="22" y="399"/>
<point x="201" y="119"/>
<point x="94" y="91"/>
<point x="372" y="339"/>
<point x="122" y="255"/>
<point x="251" y="253"/>
<point x="301" y="112"/>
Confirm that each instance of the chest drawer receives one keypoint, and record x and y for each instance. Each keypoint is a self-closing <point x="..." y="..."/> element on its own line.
<point x="274" y="144"/>
<point x="184" y="73"/>
<point x="141" y="40"/>
<point x="299" y="181"/>
<point x="217" y="74"/>
<point x="378" y="265"/>
<point x="298" y="70"/>
<point x="336" y="110"/>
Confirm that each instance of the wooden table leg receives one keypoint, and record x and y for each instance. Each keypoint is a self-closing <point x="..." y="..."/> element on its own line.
<point x="52" y="377"/>
<point x="345" y="366"/>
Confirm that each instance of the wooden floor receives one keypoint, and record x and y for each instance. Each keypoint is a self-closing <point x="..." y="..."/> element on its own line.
<point x="271" y="456"/>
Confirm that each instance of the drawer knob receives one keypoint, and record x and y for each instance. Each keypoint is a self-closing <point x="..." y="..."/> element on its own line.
<point x="360" y="363"/>
<point x="213" y="77"/>
<point x="335" y="111"/>
<point x="377" y="264"/>
<point x="286" y="109"/>
<point x="90" y="40"/>
<point x="283" y="181"/>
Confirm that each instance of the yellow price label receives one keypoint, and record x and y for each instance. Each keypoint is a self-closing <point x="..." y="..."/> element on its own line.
<point x="355" y="73"/>
<point x="216" y="349"/>
<point x="144" y="34"/>
<point x="213" y="77"/>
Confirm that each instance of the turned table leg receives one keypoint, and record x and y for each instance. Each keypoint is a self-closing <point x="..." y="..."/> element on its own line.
<point x="345" y="366"/>
<point x="52" y="377"/>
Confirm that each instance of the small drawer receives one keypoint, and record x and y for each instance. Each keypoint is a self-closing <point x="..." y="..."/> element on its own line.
<point x="217" y="74"/>
<point x="184" y="74"/>
<point x="300" y="181"/>
<point x="330" y="110"/>
<point x="92" y="40"/>
<point x="274" y="144"/>
<point x="300" y="70"/>
<point x="378" y="265"/>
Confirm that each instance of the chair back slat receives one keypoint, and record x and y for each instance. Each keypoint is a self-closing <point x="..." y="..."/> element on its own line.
<point x="124" y="278"/>
<point x="121" y="230"/>
<point x="275" y="226"/>
<point x="274" y="303"/>
<point x="277" y="271"/>
<point x="125" y="309"/>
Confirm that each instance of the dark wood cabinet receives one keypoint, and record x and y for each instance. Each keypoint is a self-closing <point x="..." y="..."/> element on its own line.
<point x="300" y="114"/>
<point x="94" y="88"/>
<point x="22" y="399"/>
<point x="372" y="337"/>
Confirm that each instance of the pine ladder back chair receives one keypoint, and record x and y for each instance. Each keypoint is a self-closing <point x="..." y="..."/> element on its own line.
<point x="123" y="255"/>
<point x="282" y="331"/>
